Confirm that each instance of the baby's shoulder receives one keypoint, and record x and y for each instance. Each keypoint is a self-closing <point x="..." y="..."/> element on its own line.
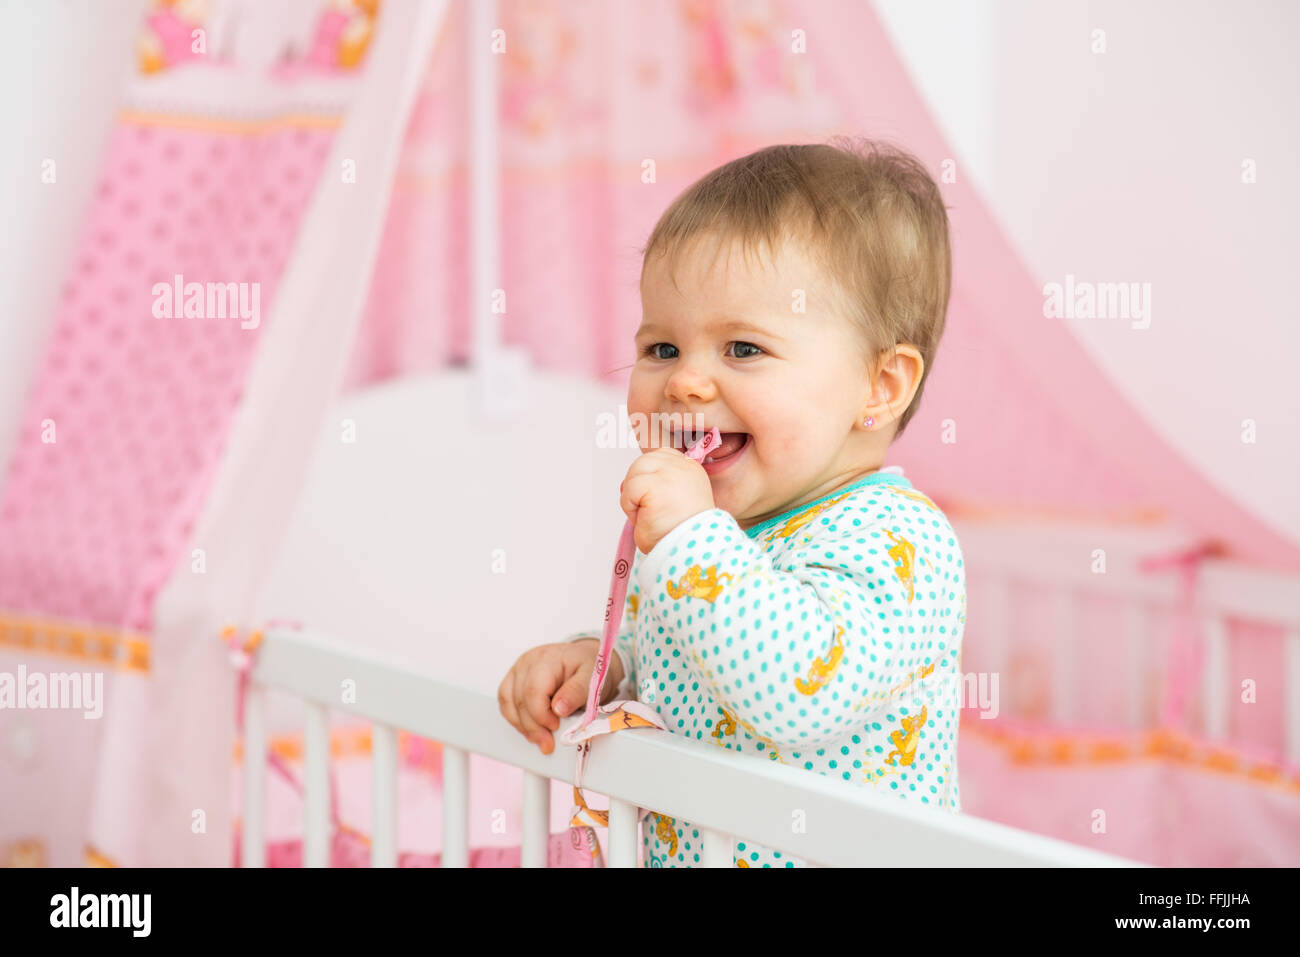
<point x="890" y="535"/>
<point x="886" y="509"/>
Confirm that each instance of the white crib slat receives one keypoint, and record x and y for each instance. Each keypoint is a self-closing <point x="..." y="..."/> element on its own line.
<point x="1215" y="678"/>
<point x="383" y="796"/>
<point x="536" y="820"/>
<point x="623" y="833"/>
<point x="253" y="836"/>
<point x="1291" y="692"/>
<point x="316" y="786"/>
<point x="855" y="827"/>
<point x="455" y="807"/>
<point x="719" y="848"/>
<point x="1065" y="637"/>
<point x="1137" y="635"/>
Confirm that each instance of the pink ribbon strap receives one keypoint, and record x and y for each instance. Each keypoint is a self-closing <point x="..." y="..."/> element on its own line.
<point x="623" y="714"/>
<point x="618" y="586"/>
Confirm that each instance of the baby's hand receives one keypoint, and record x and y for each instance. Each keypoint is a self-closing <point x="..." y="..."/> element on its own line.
<point x="661" y="490"/>
<point x="550" y="681"/>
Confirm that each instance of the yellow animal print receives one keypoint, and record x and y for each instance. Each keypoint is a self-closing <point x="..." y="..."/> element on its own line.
<point x="741" y="862"/>
<point x="904" y="553"/>
<point x="875" y="697"/>
<point x="622" y="719"/>
<point x="823" y="668"/>
<point x="772" y="751"/>
<point x="587" y="815"/>
<point x="795" y="522"/>
<point x="666" y="833"/>
<point x="705" y="583"/>
<point x="906" y="739"/>
<point x="915" y="496"/>
<point x="923" y="672"/>
<point x="874" y="775"/>
<point x="726" y="726"/>
<point x="633" y="602"/>
<point x="700" y="665"/>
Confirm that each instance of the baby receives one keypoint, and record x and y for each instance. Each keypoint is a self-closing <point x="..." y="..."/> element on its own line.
<point x="789" y="598"/>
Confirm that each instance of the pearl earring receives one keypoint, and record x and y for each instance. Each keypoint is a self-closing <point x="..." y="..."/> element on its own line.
<point x="869" y="421"/>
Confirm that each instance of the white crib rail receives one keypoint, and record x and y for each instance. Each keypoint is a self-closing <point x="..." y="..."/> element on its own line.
<point x="1001" y="560"/>
<point x="729" y="795"/>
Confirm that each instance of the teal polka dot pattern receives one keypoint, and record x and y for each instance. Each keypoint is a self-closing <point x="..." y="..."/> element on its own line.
<point x="827" y="638"/>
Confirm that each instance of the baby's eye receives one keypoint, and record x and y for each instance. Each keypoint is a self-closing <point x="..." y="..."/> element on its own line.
<point x="650" y="350"/>
<point x="747" y="345"/>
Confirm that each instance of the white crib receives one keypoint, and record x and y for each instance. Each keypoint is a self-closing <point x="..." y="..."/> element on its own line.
<point x="409" y="587"/>
<point x="1057" y="561"/>
<point x="732" y="796"/>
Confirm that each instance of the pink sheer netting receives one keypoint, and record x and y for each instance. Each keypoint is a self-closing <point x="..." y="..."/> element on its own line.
<point x="128" y="417"/>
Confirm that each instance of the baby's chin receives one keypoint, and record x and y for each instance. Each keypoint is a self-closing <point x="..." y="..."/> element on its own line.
<point x="742" y="512"/>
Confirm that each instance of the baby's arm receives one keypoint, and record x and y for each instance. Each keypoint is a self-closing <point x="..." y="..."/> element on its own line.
<point x="796" y="652"/>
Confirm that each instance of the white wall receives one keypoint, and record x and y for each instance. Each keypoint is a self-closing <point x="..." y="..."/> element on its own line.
<point x="1126" y="166"/>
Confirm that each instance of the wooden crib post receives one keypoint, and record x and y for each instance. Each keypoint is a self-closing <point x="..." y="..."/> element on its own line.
<point x="719" y="848"/>
<point x="253" y="835"/>
<point x="455" y="806"/>
<point x="536" y="820"/>
<point x="1065" y="677"/>
<point x="316" y="787"/>
<point x="623" y="828"/>
<point x="1137" y="633"/>
<point x="383" y="795"/>
<point x="1215" y="678"/>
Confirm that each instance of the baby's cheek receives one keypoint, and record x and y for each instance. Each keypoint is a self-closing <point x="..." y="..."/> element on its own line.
<point x="786" y="445"/>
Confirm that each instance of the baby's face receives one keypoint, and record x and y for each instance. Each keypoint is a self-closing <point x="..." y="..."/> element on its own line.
<point x="731" y="345"/>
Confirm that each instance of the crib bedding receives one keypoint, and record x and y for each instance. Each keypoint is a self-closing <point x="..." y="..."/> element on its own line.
<point x="1133" y="796"/>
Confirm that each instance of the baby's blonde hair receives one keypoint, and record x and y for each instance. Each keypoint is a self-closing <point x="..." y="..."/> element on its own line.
<point x="871" y="214"/>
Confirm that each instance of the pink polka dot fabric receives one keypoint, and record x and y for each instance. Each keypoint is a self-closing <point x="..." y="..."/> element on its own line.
<point x="129" y="412"/>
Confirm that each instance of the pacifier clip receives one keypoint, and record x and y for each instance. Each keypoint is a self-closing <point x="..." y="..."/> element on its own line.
<point x="623" y="714"/>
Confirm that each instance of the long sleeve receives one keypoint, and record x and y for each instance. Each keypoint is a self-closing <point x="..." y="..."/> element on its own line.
<point x="801" y="648"/>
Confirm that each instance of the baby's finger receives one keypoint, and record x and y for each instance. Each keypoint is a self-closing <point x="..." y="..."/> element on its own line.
<point x="533" y="700"/>
<point x="506" y="700"/>
<point x="529" y="727"/>
<point x="573" y="693"/>
<point x="629" y="499"/>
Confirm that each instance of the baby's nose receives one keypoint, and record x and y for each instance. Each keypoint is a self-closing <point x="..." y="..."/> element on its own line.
<point x="688" y="383"/>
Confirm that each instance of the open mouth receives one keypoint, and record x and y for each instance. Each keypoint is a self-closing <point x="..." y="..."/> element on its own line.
<point x="732" y="444"/>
